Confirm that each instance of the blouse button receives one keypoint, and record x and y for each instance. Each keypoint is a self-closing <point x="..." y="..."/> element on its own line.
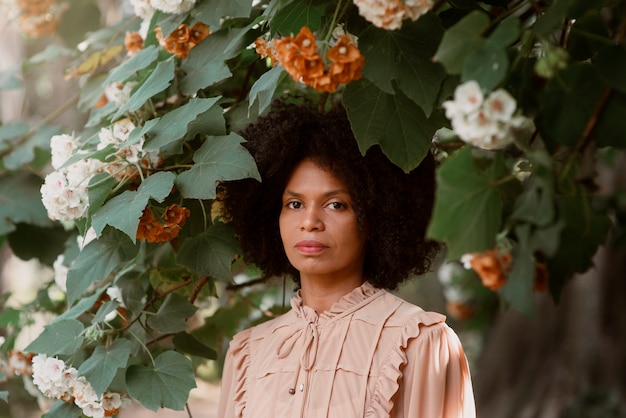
<point x="301" y="387"/>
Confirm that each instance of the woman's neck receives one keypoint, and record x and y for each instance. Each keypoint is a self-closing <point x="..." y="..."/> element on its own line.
<point x="321" y="295"/>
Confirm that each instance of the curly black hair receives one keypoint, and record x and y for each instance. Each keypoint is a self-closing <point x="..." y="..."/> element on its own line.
<point x="392" y="206"/>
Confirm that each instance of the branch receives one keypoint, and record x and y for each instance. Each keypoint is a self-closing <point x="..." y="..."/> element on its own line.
<point x="196" y="290"/>
<point x="238" y="286"/>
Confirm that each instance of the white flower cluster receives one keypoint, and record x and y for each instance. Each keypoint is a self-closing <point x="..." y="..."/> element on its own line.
<point x="119" y="93"/>
<point x="146" y="8"/>
<point x="59" y="267"/>
<point x="55" y="380"/>
<point x="487" y="123"/>
<point x="127" y="155"/>
<point x="64" y="192"/>
<point x="389" y="14"/>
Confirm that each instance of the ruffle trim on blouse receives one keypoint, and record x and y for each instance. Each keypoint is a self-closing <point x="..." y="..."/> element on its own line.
<point x="390" y="375"/>
<point x="240" y="351"/>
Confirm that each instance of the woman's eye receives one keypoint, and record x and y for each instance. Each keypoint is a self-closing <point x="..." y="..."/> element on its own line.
<point x="336" y="205"/>
<point x="294" y="205"/>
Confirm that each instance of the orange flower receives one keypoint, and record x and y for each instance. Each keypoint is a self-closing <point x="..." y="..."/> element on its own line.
<point x="460" y="311"/>
<point x="347" y="61"/>
<point x="176" y="215"/>
<point x="305" y="42"/>
<point x="492" y="267"/>
<point x="102" y="101"/>
<point x="36" y="7"/>
<point x="38" y="25"/>
<point x="265" y="50"/>
<point x="133" y="43"/>
<point x="197" y="33"/>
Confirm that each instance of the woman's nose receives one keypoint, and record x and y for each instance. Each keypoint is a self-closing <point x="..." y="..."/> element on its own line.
<point x="311" y="220"/>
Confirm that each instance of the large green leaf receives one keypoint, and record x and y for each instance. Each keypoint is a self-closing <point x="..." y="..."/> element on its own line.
<point x="612" y="123"/>
<point x="290" y="18"/>
<point x="81" y="307"/>
<point x="25" y="152"/>
<point x="212" y="11"/>
<point x="211" y="252"/>
<point x="535" y="205"/>
<point x="172" y="126"/>
<point x="393" y="121"/>
<point x="141" y="60"/>
<point x="205" y="65"/>
<point x="405" y="56"/>
<point x="49" y="241"/>
<point x="20" y="201"/>
<point x="461" y="39"/>
<point x="61" y="337"/>
<point x="564" y="115"/>
<point x="100" y="368"/>
<point x="166" y="385"/>
<point x="172" y="315"/>
<point x="4" y="396"/>
<point x="100" y="187"/>
<point x="124" y="210"/>
<point x="187" y="343"/>
<point x="158" y="80"/>
<point x="262" y="91"/>
<point x="487" y="64"/>
<point x="468" y="209"/>
<point x="97" y="260"/>
<point x="11" y="79"/>
<point x="219" y="158"/>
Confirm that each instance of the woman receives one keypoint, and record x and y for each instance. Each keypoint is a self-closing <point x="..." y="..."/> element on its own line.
<point x="347" y="228"/>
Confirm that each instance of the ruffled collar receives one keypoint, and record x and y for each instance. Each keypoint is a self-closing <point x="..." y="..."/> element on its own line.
<point x="348" y="303"/>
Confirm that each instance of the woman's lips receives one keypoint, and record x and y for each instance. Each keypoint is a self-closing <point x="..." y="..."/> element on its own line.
<point x="310" y="247"/>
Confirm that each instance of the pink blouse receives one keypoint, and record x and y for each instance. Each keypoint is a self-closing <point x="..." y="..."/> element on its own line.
<point x="371" y="355"/>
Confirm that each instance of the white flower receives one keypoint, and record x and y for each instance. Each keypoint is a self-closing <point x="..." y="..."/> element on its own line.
<point x="63" y="201"/>
<point x="389" y="14"/>
<point x="89" y="236"/>
<point x="466" y="260"/>
<point x="173" y="6"/>
<point x="468" y="98"/>
<point x="500" y="106"/>
<point x="62" y="147"/>
<point x="2" y="340"/>
<point x="143" y="9"/>
<point x="51" y="377"/>
<point x="119" y="93"/>
<point x="60" y="272"/>
<point x="115" y="293"/>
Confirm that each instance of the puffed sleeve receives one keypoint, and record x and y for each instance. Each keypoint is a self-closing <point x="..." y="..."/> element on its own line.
<point x="234" y="377"/>
<point x="436" y="380"/>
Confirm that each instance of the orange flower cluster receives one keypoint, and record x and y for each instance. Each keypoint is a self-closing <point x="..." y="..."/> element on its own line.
<point x="152" y="230"/>
<point x="133" y="42"/>
<point x="183" y="38"/>
<point x="494" y="267"/>
<point x="38" y="17"/>
<point x="302" y="61"/>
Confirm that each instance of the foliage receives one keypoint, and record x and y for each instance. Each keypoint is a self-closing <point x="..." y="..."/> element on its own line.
<point x="519" y="100"/>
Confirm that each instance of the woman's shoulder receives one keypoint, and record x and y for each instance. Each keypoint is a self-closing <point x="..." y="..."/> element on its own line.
<point x="262" y="330"/>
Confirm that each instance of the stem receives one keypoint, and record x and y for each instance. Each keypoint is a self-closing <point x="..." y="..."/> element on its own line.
<point x="188" y="410"/>
<point x="196" y="290"/>
<point x="144" y="347"/>
<point x="204" y="215"/>
<point x="333" y="21"/>
<point x="235" y="286"/>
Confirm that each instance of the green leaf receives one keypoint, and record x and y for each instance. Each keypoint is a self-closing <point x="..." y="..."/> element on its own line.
<point x="460" y="39"/>
<point x="612" y="123"/>
<point x="100" y="187"/>
<point x="63" y="409"/>
<point x="100" y="368"/>
<point x="25" y="152"/>
<point x="468" y="209"/>
<point x="124" y="210"/>
<point x="20" y="201"/>
<point x="97" y="260"/>
<point x="505" y="33"/>
<point x="166" y="385"/>
<point x="81" y="307"/>
<point x="48" y="241"/>
<point x="205" y="65"/>
<point x="141" y="60"/>
<point x="553" y="17"/>
<point x="189" y="344"/>
<point x="9" y="317"/>
<point x="172" y="126"/>
<point x="405" y="56"/>
<point x="536" y="203"/>
<point x="158" y="80"/>
<point x="211" y="12"/>
<point x="564" y="116"/>
<point x="211" y="252"/>
<point x="61" y="337"/>
<point x="262" y="91"/>
<point x="393" y="121"/>
<point x="487" y="64"/>
<point x="4" y="396"/>
<point x="219" y="158"/>
<point x="172" y="315"/>
<point x="292" y="17"/>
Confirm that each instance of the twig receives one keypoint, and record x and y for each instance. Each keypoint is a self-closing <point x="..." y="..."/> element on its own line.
<point x="196" y="290"/>
<point x="188" y="410"/>
<point x="239" y="286"/>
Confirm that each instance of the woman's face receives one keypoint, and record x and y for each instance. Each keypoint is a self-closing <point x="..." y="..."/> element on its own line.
<point x="318" y="225"/>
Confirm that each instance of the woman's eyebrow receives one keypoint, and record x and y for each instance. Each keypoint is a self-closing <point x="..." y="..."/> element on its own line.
<point x="331" y="193"/>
